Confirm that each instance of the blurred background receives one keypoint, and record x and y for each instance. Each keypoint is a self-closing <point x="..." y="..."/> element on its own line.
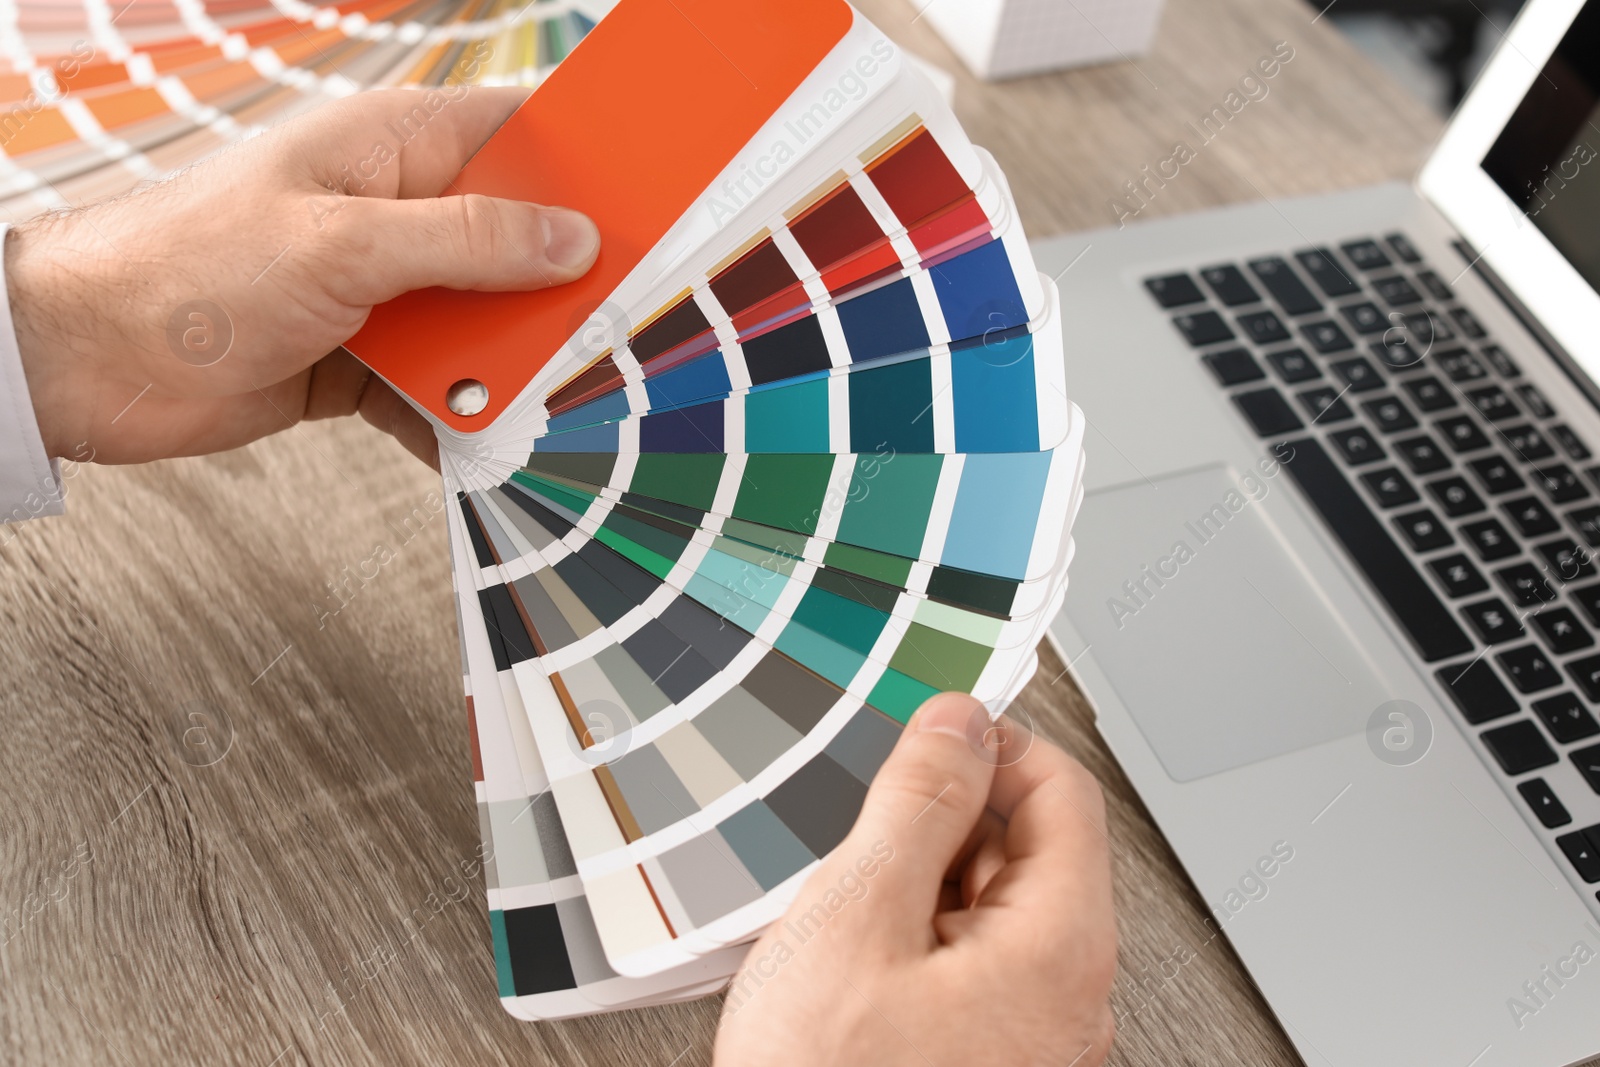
<point x="1432" y="47"/>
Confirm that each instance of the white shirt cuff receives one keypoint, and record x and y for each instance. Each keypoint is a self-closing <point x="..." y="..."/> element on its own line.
<point x="30" y="481"/>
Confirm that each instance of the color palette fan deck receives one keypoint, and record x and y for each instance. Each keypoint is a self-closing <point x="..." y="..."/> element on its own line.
<point x="796" y="456"/>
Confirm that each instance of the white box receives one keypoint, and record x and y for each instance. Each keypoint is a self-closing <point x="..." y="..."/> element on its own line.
<point x="1010" y="38"/>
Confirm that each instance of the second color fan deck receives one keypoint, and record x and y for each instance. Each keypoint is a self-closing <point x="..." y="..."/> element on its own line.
<point x="794" y="458"/>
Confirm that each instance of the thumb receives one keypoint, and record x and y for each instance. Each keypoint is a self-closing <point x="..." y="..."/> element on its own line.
<point x="459" y="242"/>
<point x="925" y="800"/>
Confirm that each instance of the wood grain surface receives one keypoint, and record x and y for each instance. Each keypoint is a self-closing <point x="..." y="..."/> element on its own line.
<point x="264" y="909"/>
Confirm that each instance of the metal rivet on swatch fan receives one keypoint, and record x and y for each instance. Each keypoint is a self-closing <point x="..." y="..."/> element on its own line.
<point x="467" y="397"/>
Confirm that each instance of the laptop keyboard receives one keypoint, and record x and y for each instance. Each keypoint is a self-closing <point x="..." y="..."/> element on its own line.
<point x="1455" y="487"/>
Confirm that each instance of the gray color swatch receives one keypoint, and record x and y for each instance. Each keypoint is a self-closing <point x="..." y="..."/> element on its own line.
<point x="864" y="743"/>
<point x="766" y="847"/>
<point x="708" y="878"/>
<point x="746" y="732"/>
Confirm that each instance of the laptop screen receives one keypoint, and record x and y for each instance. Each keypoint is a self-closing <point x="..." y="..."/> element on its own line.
<point x="1547" y="158"/>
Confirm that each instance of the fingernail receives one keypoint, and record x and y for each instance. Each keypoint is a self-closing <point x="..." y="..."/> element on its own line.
<point x="570" y="238"/>
<point x="948" y="713"/>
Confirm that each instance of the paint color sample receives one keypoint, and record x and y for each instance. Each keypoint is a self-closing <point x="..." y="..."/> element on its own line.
<point x="677" y="327"/>
<point x="708" y="878"/>
<point x="978" y="292"/>
<point x="917" y="179"/>
<point x="789" y="418"/>
<point x="883" y="322"/>
<point x="888" y="512"/>
<point x="537" y="949"/>
<point x="996" y="513"/>
<point x="819" y="803"/>
<point x="790" y="351"/>
<point x="891" y="408"/>
<point x="757" y="276"/>
<point x="767" y="848"/>
<point x="864" y="743"/>
<point x="836" y="228"/>
<point x="783" y="491"/>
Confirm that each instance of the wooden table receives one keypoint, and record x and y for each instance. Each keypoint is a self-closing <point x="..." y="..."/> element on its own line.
<point x="230" y="912"/>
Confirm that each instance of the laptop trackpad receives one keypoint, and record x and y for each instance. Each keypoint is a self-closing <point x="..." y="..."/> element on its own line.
<point x="1219" y="641"/>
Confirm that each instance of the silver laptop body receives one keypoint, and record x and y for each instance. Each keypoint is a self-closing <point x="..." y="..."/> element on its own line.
<point x="1292" y="705"/>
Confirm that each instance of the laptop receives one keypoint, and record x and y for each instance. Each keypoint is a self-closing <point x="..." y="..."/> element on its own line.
<point x="1335" y="599"/>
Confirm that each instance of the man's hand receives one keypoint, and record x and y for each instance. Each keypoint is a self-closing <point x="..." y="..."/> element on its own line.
<point x="966" y="919"/>
<point x="207" y="310"/>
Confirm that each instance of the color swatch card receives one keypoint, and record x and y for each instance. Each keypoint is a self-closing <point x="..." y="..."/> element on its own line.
<point x="795" y="456"/>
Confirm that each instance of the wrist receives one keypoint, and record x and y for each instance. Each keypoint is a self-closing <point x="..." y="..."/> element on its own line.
<point x="39" y="294"/>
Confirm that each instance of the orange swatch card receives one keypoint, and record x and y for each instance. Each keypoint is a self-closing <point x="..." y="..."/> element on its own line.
<point x="630" y="129"/>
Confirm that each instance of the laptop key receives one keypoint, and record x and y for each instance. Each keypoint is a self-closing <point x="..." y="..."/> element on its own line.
<point x="1493" y="621"/>
<point x="1263" y="327"/>
<point x="1429" y="394"/>
<point x="1536" y="403"/>
<point x="1366" y="255"/>
<point x="1268" y="412"/>
<point x="1326" y="337"/>
<point x="1519" y="747"/>
<point x="1468" y="324"/>
<point x="1326" y="405"/>
<point x="1462" y="434"/>
<point x="1546" y="807"/>
<point x="1587" y="522"/>
<point x="1588" y="598"/>
<point x="1390" y="487"/>
<point x="1566" y="718"/>
<point x="1398" y="352"/>
<point x="1570" y="442"/>
<point x="1294" y="366"/>
<point x="1326" y="272"/>
<point x="1503" y="364"/>
<point x="1531" y="517"/>
<point x="1201" y="328"/>
<point x="1390" y="414"/>
<point x="1492" y="403"/>
<point x="1402" y="247"/>
<point x="1588" y="761"/>
<point x="1391" y="573"/>
<point x="1458" y="575"/>
<point x="1423" y="530"/>
<point x="1527" y="584"/>
<point x="1477" y="691"/>
<point x="1567" y="560"/>
<point x="1396" y="291"/>
<point x="1365" y="317"/>
<point x="1422" y="455"/>
<point x="1233" y="366"/>
<point x="1358" y="373"/>
<point x="1286" y="288"/>
<point x="1357" y="446"/>
<point x="1456" y="497"/>
<point x="1429" y="329"/>
<point x="1585" y="673"/>
<point x="1496" y="474"/>
<point x="1560" y="483"/>
<point x="1490" y="540"/>
<point x="1174" y="290"/>
<point x="1583" y="854"/>
<point x="1436" y="286"/>
<point x="1527" y="443"/>
<point x="1459" y="365"/>
<point x="1562" y="631"/>
<point x="1230" y="285"/>
<point x="1530" y="669"/>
